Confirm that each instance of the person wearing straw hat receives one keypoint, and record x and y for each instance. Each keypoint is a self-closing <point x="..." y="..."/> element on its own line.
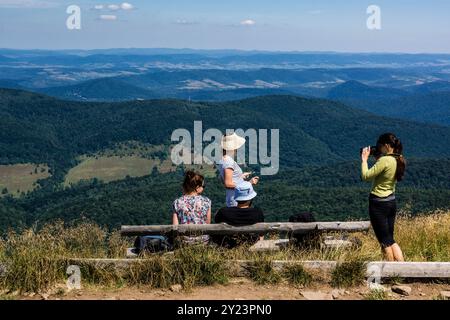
<point x="230" y="172"/>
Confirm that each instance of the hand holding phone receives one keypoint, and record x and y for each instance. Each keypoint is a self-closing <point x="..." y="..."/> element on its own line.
<point x="246" y="175"/>
<point x="254" y="180"/>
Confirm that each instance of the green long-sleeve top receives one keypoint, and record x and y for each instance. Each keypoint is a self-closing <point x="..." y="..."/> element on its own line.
<point x="382" y="175"/>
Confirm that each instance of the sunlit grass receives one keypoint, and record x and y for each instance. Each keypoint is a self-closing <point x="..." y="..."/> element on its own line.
<point x="36" y="260"/>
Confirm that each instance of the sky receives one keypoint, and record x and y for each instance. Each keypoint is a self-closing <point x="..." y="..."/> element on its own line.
<point x="275" y="25"/>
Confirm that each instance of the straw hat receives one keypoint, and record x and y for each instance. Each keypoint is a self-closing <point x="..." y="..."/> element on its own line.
<point x="232" y="142"/>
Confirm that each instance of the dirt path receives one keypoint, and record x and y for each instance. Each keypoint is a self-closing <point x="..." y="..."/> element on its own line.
<point x="242" y="289"/>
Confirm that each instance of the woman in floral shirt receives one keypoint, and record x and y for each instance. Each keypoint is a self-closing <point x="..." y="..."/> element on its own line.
<point x="192" y="207"/>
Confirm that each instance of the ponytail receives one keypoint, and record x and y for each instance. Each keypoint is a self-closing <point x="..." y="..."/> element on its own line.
<point x="395" y="143"/>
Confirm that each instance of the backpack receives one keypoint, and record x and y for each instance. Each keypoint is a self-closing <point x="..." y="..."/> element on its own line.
<point x="152" y="244"/>
<point x="302" y="217"/>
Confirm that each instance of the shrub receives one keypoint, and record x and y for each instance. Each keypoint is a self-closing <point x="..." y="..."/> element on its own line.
<point x="348" y="274"/>
<point x="33" y="261"/>
<point x="376" y="294"/>
<point x="261" y="271"/>
<point x="200" y="265"/>
<point x="297" y="275"/>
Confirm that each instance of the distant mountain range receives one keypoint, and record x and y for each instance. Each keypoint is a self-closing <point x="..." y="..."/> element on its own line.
<point x="35" y="69"/>
<point x="428" y="102"/>
<point x="104" y="89"/>
<point x="407" y="86"/>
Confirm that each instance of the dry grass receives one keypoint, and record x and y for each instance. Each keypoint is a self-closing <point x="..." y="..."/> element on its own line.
<point x="262" y="272"/>
<point x="32" y="261"/>
<point x="422" y="238"/>
<point x="37" y="260"/>
<point x="296" y="274"/>
<point x="376" y="294"/>
<point x="348" y="274"/>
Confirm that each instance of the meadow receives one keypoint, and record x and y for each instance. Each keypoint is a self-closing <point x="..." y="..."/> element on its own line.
<point x="21" y="178"/>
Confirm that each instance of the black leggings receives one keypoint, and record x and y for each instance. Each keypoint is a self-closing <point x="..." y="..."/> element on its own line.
<point x="382" y="217"/>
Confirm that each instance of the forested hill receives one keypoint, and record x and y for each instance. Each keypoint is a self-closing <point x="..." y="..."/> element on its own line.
<point x="40" y="129"/>
<point x="319" y="151"/>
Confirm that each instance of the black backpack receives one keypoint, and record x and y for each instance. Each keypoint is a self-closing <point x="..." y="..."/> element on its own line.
<point x="302" y="217"/>
<point x="152" y="244"/>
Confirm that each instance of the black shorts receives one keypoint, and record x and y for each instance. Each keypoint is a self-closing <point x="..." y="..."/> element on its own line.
<point x="382" y="217"/>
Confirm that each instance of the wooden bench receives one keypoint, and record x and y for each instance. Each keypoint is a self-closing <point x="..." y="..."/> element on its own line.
<point x="287" y="228"/>
<point x="290" y="228"/>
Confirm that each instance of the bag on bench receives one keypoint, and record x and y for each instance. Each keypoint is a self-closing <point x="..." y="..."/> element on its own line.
<point x="304" y="239"/>
<point x="302" y="217"/>
<point x="152" y="244"/>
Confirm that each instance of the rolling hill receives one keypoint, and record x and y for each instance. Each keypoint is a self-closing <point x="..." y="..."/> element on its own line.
<point x="39" y="128"/>
<point x="428" y="103"/>
<point x="429" y="87"/>
<point x="103" y="89"/>
<point x="354" y="90"/>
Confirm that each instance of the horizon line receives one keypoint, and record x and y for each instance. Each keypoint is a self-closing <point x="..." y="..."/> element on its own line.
<point x="232" y="49"/>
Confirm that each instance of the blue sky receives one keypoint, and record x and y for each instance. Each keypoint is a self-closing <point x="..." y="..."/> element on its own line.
<point x="304" y="25"/>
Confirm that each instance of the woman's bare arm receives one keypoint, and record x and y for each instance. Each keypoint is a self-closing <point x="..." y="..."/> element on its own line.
<point x="175" y="219"/>
<point x="228" y="179"/>
<point x="208" y="216"/>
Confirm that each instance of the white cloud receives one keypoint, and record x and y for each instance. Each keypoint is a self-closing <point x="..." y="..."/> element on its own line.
<point x="126" y="6"/>
<point x="248" y="22"/>
<point x="108" y="17"/>
<point x="185" y="22"/>
<point x="35" y="4"/>
<point x="113" y="7"/>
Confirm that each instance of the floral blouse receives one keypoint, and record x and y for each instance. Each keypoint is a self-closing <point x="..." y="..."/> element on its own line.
<point x="192" y="209"/>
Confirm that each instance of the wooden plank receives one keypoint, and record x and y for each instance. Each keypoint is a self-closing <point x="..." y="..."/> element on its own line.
<point x="409" y="269"/>
<point x="382" y="269"/>
<point x="259" y="228"/>
<point x="269" y="245"/>
<point x="307" y="264"/>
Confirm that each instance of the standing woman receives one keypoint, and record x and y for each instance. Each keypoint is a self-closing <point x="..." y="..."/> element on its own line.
<point x="230" y="172"/>
<point x="388" y="169"/>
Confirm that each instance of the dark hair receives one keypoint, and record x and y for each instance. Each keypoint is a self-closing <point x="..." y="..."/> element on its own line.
<point x="192" y="181"/>
<point x="395" y="143"/>
<point x="245" y="201"/>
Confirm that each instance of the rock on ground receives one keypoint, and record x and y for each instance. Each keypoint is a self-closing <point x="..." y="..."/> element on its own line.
<point x="403" y="290"/>
<point x="176" y="288"/>
<point x="445" y="295"/>
<point x="316" y="295"/>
